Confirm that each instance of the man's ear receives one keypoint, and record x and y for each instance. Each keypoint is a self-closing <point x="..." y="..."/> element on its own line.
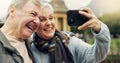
<point x="12" y="11"/>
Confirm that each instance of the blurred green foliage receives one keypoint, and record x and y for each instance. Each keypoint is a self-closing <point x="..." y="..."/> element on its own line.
<point x="114" y="46"/>
<point x="113" y="22"/>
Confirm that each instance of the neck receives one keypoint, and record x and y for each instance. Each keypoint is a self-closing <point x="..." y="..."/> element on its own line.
<point x="9" y="32"/>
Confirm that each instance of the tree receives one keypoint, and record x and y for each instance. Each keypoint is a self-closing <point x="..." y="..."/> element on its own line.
<point x="113" y="22"/>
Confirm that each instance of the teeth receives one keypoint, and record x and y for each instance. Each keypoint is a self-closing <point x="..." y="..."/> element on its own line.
<point x="31" y="25"/>
<point x="48" y="29"/>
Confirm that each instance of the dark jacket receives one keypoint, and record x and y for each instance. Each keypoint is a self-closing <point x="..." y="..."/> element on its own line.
<point x="8" y="54"/>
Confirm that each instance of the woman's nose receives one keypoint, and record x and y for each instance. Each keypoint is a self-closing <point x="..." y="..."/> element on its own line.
<point x="48" y="22"/>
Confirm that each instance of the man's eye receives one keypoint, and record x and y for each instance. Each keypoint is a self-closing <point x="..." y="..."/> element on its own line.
<point x="34" y="14"/>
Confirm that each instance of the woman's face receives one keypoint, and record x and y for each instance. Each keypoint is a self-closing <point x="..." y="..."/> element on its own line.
<point x="46" y="28"/>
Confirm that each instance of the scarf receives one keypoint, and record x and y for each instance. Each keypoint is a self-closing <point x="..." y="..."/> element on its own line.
<point x="56" y="47"/>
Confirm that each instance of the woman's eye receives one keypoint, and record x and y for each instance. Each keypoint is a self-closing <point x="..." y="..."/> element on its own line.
<point x="42" y="18"/>
<point x="51" y="18"/>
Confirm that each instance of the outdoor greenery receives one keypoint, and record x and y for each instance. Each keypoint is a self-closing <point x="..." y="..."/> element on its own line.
<point x="114" y="54"/>
<point x="114" y="46"/>
<point x="113" y="22"/>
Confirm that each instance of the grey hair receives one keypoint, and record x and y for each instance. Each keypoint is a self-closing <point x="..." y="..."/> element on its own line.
<point x="18" y="4"/>
<point x="44" y="5"/>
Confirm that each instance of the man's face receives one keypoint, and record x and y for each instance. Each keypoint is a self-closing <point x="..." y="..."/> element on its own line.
<point x="26" y="20"/>
<point x="46" y="28"/>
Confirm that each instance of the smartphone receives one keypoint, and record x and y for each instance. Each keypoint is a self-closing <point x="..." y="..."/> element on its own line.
<point x="74" y="18"/>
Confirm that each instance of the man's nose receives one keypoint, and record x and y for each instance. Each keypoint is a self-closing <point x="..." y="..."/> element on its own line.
<point x="37" y="20"/>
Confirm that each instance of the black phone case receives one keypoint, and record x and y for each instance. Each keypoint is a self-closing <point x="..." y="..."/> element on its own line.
<point x="75" y="19"/>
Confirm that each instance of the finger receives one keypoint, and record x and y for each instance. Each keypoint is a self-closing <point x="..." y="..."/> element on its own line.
<point x="81" y="28"/>
<point x="85" y="14"/>
<point x="88" y="10"/>
<point x="85" y="25"/>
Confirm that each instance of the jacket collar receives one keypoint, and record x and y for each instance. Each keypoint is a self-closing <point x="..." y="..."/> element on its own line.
<point x="5" y="42"/>
<point x="9" y="47"/>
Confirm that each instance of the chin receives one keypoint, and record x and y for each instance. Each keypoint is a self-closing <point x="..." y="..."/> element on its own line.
<point x="49" y="37"/>
<point x="27" y="35"/>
